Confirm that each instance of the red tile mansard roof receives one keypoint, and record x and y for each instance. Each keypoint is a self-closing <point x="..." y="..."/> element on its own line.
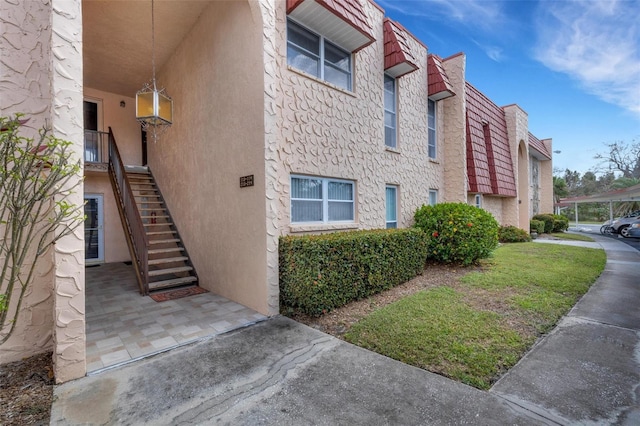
<point x="489" y="164"/>
<point x="539" y="147"/>
<point x="344" y="22"/>
<point x="398" y="59"/>
<point x="439" y="85"/>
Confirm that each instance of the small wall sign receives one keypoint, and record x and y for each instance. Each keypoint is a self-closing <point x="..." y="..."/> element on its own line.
<point x="246" y="181"/>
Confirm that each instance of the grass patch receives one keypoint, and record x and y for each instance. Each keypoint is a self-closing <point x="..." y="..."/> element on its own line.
<point x="572" y="237"/>
<point x="475" y="330"/>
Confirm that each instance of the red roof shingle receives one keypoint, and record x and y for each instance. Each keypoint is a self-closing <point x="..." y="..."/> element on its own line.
<point x="539" y="146"/>
<point x="349" y="11"/>
<point x="439" y="85"/>
<point x="398" y="59"/>
<point x="489" y="164"/>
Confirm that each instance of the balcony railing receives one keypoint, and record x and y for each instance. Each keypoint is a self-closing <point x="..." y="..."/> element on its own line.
<point x="96" y="145"/>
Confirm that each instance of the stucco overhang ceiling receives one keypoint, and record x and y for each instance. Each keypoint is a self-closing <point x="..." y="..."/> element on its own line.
<point x="117" y="40"/>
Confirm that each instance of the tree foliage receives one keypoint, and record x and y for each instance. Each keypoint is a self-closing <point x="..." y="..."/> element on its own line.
<point x="36" y="176"/>
<point x="621" y="157"/>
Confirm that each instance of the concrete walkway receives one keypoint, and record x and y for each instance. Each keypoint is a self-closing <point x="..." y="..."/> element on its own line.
<point x="587" y="371"/>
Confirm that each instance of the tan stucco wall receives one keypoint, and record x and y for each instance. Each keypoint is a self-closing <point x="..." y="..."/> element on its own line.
<point x="218" y="136"/>
<point x="546" y="181"/>
<point x="25" y="88"/>
<point x="330" y="132"/>
<point x="41" y="75"/>
<point x="115" y="244"/>
<point x="455" y="146"/>
<point x="518" y="134"/>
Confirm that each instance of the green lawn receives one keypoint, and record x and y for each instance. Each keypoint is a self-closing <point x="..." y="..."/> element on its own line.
<point x="573" y="237"/>
<point x="475" y="330"/>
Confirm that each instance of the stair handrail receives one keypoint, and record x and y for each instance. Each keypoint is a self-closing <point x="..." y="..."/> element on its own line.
<point x="139" y="239"/>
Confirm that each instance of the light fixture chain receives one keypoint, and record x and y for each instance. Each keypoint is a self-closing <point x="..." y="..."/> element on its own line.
<point x="153" y="46"/>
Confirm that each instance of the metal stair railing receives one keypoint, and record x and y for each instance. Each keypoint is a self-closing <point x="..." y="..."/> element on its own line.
<point x="137" y="239"/>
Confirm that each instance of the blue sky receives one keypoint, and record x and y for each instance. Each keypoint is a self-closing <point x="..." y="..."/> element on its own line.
<point x="573" y="66"/>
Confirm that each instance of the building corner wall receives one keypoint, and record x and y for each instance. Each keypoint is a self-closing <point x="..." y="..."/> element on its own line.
<point x="455" y="138"/>
<point x="67" y="121"/>
<point x="516" y="210"/>
<point x="272" y="39"/>
<point x="546" y="180"/>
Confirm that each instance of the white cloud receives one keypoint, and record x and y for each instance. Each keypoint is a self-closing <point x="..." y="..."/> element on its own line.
<point x="480" y="14"/>
<point x="597" y="42"/>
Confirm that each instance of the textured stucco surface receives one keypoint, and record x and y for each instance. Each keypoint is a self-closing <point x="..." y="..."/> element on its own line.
<point x="546" y="181"/>
<point x="330" y="132"/>
<point x="67" y="121"/>
<point x="25" y="88"/>
<point x="218" y="136"/>
<point x="41" y="76"/>
<point x="454" y="129"/>
<point x="517" y="129"/>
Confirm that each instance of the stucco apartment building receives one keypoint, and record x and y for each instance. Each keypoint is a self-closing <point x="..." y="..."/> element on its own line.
<point x="289" y="117"/>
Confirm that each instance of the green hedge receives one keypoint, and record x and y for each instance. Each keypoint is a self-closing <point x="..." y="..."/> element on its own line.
<point x="560" y="223"/>
<point x="513" y="234"/>
<point x="548" y="222"/>
<point x="536" y="226"/>
<point x="319" y="273"/>
<point x="459" y="233"/>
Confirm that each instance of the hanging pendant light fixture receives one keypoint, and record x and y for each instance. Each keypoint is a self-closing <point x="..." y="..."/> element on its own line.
<point x="154" y="108"/>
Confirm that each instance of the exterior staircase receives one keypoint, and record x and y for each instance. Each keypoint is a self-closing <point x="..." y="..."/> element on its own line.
<point x="158" y="255"/>
<point x="168" y="262"/>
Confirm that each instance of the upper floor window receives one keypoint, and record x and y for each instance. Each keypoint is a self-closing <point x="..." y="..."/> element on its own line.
<point x="433" y="197"/>
<point x="390" y="120"/>
<point x="478" y="201"/>
<point x="431" y="123"/>
<point x="315" y="55"/>
<point x="392" y="206"/>
<point x="321" y="200"/>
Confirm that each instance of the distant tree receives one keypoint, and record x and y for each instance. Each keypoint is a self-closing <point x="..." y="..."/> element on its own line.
<point x="560" y="189"/>
<point x="624" y="182"/>
<point x="621" y="157"/>
<point x="572" y="179"/>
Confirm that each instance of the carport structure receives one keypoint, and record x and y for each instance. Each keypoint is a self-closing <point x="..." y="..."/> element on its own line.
<point x="619" y="195"/>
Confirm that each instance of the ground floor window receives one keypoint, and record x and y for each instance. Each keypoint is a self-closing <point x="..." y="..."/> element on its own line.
<point x="433" y="197"/>
<point x="322" y="200"/>
<point x="392" y="206"/>
<point x="479" y="201"/>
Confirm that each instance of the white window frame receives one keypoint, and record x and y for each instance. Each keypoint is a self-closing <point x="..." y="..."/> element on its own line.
<point x="478" y="201"/>
<point x="433" y="197"/>
<point x="432" y="142"/>
<point x="323" y="44"/>
<point x="393" y="112"/>
<point x="391" y="224"/>
<point x="325" y="200"/>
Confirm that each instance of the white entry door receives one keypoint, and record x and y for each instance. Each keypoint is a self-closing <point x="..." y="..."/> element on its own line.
<point x="93" y="229"/>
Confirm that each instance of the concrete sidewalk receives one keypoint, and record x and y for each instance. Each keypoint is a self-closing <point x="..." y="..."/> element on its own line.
<point x="282" y="372"/>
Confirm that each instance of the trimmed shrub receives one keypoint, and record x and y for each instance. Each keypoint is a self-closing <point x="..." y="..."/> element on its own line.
<point x="319" y="273"/>
<point x="513" y="234"/>
<point x="458" y="232"/>
<point x="536" y="226"/>
<point x="548" y="222"/>
<point x="560" y="223"/>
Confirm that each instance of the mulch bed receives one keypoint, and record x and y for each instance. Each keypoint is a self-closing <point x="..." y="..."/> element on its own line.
<point x="26" y="391"/>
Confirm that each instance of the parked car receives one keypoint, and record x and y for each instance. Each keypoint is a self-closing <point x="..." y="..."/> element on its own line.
<point x="634" y="229"/>
<point x="621" y="225"/>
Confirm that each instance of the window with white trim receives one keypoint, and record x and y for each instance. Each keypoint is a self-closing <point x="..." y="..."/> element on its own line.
<point x="392" y="206"/>
<point x="431" y="124"/>
<point x="479" y="201"/>
<point x="433" y="197"/>
<point x="321" y="200"/>
<point x="315" y="55"/>
<point x="390" y="118"/>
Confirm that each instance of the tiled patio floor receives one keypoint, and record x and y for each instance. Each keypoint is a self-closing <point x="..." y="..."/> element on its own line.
<point x="124" y="326"/>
